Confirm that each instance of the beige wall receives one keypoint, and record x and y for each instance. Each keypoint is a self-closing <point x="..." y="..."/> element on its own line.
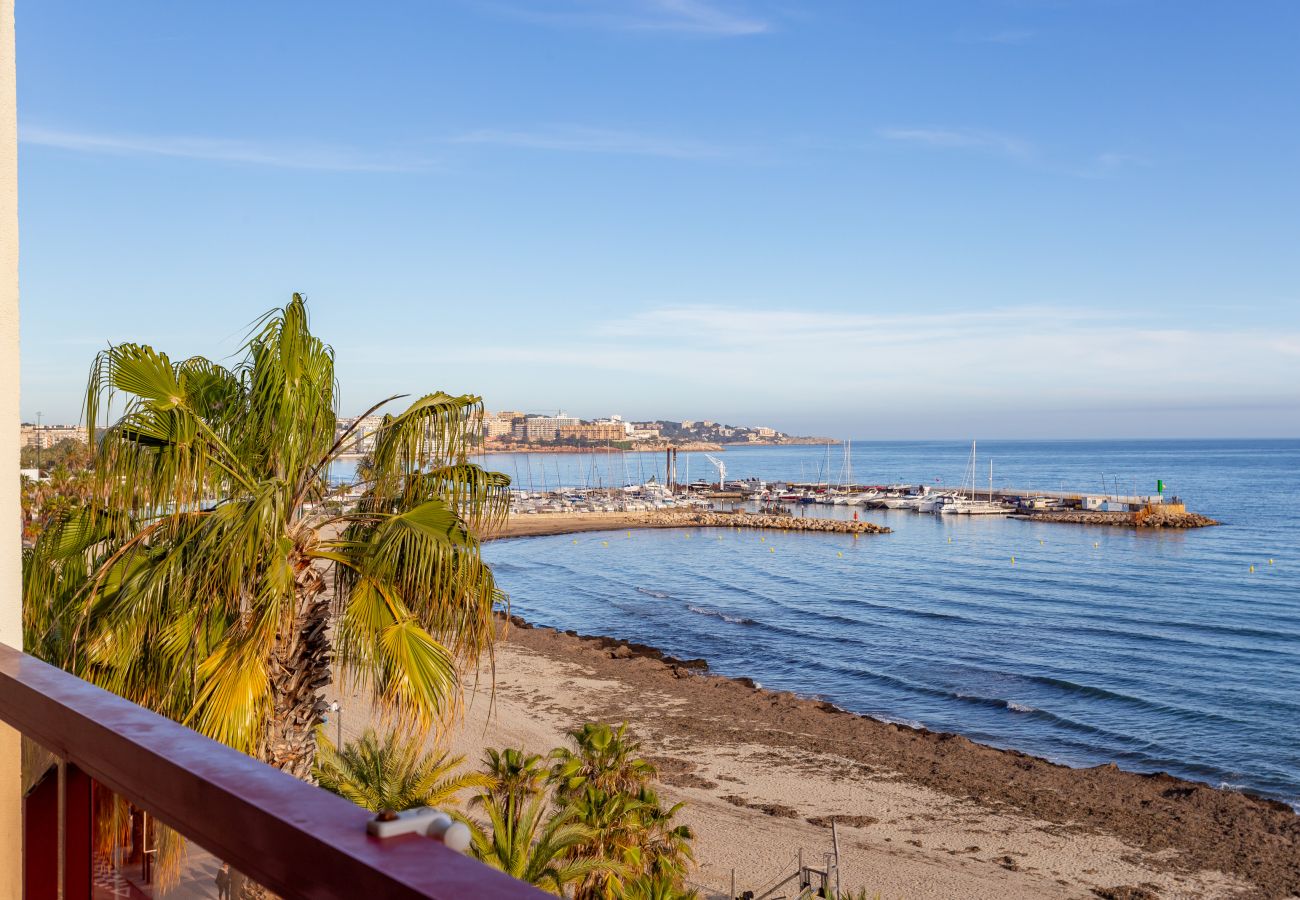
<point x="10" y="548"/>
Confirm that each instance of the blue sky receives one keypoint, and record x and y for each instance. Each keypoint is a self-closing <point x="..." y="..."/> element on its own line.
<point x="858" y="218"/>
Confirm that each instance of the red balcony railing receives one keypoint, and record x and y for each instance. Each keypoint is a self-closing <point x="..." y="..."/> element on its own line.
<point x="292" y="837"/>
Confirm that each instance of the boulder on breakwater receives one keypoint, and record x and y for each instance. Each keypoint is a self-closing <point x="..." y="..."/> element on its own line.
<point x="740" y="519"/>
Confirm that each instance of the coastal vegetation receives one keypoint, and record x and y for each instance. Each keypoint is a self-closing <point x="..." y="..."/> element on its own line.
<point x="67" y="487"/>
<point x="389" y="772"/>
<point x="68" y="452"/>
<point x="207" y="576"/>
<point x="585" y="821"/>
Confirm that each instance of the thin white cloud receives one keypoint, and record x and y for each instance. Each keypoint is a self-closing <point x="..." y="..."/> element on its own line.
<point x="1007" y="147"/>
<point x="595" y="140"/>
<point x="287" y="155"/>
<point x="699" y="17"/>
<point x="995" y="358"/>
<point x="964" y="139"/>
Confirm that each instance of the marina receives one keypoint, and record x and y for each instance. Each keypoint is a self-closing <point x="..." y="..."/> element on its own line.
<point x="781" y="497"/>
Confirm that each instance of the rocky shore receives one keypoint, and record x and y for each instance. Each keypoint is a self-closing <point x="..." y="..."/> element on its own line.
<point x="1157" y="519"/>
<point x="929" y="813"/>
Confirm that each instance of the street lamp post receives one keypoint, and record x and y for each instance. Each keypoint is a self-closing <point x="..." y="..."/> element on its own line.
<point x="338" y="724"/>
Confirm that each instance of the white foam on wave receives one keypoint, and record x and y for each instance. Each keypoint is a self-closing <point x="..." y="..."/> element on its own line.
<point x="1020" y="707"/>
<point x="735" y="620"/>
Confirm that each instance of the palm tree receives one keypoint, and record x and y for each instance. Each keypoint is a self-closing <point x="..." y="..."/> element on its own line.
<point x="197" y="581"/>
<point x="392" y="772"/>
<point x="514" y="775"/>
<point x="656" y="887"/>
<point x="526" y="843"/>
<point x="665" y="846"/>
<point x="616" y="835"/>
<point x="608" y="783"/>
<point x="602" y="757"/>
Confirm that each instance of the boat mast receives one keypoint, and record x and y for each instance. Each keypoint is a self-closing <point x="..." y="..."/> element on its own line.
<point x="971" y="469"/>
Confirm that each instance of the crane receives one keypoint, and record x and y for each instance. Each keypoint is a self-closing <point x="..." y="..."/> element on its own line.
<point x="722" y="471"/>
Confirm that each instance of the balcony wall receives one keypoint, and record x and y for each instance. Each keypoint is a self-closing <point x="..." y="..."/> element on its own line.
<point x="289" y="836"/>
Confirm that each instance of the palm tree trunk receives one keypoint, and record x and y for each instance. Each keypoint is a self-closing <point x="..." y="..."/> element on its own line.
<point x="300" y="668"/>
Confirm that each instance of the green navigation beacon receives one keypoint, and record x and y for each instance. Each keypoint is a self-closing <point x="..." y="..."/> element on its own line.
<point x="1160" y="485"/>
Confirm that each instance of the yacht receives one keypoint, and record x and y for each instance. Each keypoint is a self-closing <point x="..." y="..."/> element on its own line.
<point x="972" y="506"/>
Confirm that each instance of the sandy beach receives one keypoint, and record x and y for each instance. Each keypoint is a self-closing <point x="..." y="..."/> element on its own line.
<point x="921" y="814"/>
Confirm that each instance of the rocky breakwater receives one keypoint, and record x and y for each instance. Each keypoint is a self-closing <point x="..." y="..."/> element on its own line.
<point x="703" y="519"/>
<point x="1156" y="518"/>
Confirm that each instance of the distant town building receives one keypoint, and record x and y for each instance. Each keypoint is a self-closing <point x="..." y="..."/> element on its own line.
<point x="592" y="432"/>
<point x="363" y="439"/>
<point x="638" y="432"/>
<point x="498" y="425"/>
<point x="49" y="435"/>
<point x="542" y="428"/>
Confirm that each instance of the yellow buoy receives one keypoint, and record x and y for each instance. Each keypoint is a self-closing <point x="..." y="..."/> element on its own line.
<point x="1040" y="542"/>
<point x="1013" y="560"/>
<point x="1252" y="568"/>
<point x="1270" y="560"/>
<point x="575" y="540"/>
<point x="840" y="553"/>
<point x="771" y="549"/>
<point x="1095" y="545"/>
<point x="950" y="540"/>
<point x="762" y="538"/>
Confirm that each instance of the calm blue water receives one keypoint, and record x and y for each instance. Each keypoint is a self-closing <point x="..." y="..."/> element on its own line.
<point x="1156" y="650"/>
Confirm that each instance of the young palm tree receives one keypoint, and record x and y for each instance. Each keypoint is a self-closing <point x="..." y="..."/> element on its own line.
<point x="656" y="887"/>
<point x="514" y="776"/>
<point x="616" y="835"/>
<point x="392" y="772"/>
<point x="665" y="845"/>
<point x="603" y="757"/>
<point x="197" y="580"/>
<point x="525" y="842"/>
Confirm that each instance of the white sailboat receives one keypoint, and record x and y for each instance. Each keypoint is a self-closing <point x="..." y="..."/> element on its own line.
<point x="970" y="506"/>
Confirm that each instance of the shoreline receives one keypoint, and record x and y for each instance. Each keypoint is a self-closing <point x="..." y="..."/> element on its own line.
<point x="1184" y="826"/>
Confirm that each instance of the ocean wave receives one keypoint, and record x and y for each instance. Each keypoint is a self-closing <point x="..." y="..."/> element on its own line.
<point x="735" y="620"/>
<point x="658" y="595"/>
<point x="1020" y="707"/>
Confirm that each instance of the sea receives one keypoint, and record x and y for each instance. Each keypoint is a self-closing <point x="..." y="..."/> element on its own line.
<point x="1175" y="651"/>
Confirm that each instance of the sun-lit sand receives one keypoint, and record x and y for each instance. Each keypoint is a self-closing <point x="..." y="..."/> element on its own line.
<point x="762" y="773"/>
